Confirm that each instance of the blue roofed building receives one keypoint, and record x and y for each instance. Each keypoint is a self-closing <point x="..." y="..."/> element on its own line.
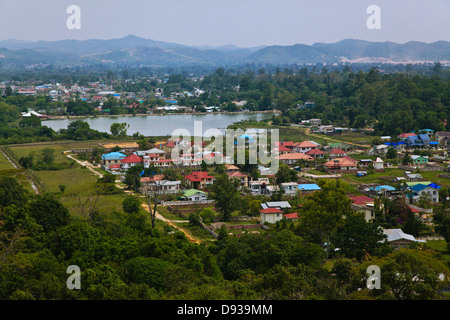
<point x="381" y="190"/>
<point x="247" y="138"/>
<point x="419" y="141"/>
<point x="425" y="190"/>
<point x="308" y="187"/>
<point x="112" y="158"/>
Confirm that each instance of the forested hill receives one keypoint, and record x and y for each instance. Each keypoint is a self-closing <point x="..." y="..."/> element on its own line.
<point x="136" y="51"/>
<point x="390" y="103"/>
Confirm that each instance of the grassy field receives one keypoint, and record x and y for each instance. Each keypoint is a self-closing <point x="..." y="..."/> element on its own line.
<point x="78" y="181"/>
<point x="441" y="247"/>
<point x="4" y="163"/>
<point x="7" y="169"/>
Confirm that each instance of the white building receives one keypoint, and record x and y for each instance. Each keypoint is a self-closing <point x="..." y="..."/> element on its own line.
<point x="378" y="164"/>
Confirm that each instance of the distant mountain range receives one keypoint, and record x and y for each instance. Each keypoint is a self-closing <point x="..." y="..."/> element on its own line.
<point x="135" y="51"/>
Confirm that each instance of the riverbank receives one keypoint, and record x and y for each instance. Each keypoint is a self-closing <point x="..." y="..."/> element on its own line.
<point x="155" y="114"/>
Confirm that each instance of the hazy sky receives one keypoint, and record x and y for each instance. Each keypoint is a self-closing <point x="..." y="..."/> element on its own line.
<point x="244" y="23"/>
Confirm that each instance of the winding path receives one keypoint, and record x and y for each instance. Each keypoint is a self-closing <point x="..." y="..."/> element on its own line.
<point x="144" y="205"/>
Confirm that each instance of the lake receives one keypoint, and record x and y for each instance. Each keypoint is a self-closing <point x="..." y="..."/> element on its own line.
<point x="163" y="125"/>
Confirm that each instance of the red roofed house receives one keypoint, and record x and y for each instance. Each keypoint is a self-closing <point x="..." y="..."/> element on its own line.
<point x="315" y="153"/>
<point x="243" y="178"/>
<point x="283" y="149"/>
<point x="285" y="144"/>
<point x="406" y="135"/>
<point x="199" y="180"/>
<point x="341" y="164"/>
<point x="291" y="216"/>
<point x="271" y="215"/>
<point x="130" y="161"/>
<point x="337" y="153"/>
<point x="364" y="205"/>
<point x="231" y="168"/>
<point x="304" y="146"/>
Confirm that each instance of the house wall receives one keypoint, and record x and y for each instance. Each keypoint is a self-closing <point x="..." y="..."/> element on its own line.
<point x="271" y="217"/>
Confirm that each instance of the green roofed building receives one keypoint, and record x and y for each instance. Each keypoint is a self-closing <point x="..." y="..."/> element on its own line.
<point x="195" y="195"/>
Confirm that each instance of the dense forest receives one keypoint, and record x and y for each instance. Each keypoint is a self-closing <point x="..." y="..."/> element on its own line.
<point x="121" y="256"/>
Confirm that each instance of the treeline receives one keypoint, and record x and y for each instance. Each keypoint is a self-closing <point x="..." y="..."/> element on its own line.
<point x="15" y="129"/>
<point x="390" y="103"/>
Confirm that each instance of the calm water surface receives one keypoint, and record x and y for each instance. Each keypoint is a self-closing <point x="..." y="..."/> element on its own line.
<point x="162" y="125"/>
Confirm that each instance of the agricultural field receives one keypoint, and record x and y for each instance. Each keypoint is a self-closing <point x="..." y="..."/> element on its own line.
<point x="74" y="184"/>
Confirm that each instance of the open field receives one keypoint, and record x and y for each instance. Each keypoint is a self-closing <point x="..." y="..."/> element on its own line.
<point x="441" y="246"/>
<point x="4" y="163"/>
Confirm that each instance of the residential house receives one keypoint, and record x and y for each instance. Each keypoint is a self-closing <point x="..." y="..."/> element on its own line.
<point x="315" y="122"/>
<point x="419" y="161"/>
<point x="241" y="177"/>
<point x="291" y="158"/>
<point x="430" y="191"/>
<point x="194" y="195"/>
<point x="316" y="153"/>
<point x="365" y="163"/>
<point x="283" y="149"/>
<point x="290" y="188"/>
<point x="231" y="168"/>
<point x="337" y="153"/>
<point x="285" y="145"/>
<point x="443" y="138"/>
<point x="130" y="161"/>
<point x="364" y="205"/>
<point x="270" y="215"/>
<point x="343" y="164"/>
<point x="398" y="239"/>
<point x="418" y="141"/>
<point x="152" y="159"/>
<point x="112" y="158"/>
<point x="304" y="146"/>
<point x="259" y="186"/>
<point x="188" y="159"/>
<point x="199" y="180"/>
<point x="324" y="129"/>
<point x="378" y="164"/>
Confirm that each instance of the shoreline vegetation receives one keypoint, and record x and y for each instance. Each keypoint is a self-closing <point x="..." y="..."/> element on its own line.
<point x="154" y="114"/>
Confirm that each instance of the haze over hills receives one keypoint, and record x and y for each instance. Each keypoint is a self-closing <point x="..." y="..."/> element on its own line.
<point x="136" y="51"/>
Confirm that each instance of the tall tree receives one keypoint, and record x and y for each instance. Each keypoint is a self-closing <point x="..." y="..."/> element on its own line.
<point x="324" y="210"/>
<point x="225" y="192"/>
